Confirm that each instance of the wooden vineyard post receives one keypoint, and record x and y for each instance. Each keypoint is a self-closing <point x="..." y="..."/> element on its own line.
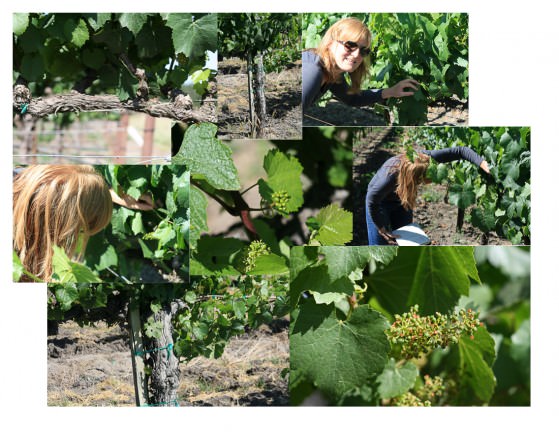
<point x="138" y="365"/>
<point x="149" y="128"/>
<point x="260" y="97"/>
<point x="121" y="137"/>
<point x="252" y="109"/>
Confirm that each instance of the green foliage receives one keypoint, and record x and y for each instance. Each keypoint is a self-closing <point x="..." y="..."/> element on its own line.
<point x="215" y="175"/>
<point x="144" y="246"/>
<point x="429" y="47"/>
<point x="59" y="50"/>
<point x="500" y="202"/>
<point x="276" y="35"/>
<point x="355" y="338"/>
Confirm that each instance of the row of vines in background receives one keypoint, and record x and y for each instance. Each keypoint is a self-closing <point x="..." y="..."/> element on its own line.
<point x="410" y="326"/>
<point x="431" y="48"/>
<point x="499" y="202"/>
<point x="178" y="321"/>
<point x="267" y="42"/>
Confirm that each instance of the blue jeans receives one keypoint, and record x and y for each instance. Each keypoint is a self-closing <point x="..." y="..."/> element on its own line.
<point x="395" y="214"/>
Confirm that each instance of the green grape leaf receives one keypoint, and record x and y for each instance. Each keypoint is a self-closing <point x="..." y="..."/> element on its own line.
<point x="64" y="270"/>
<point x="133" y="21"/>
<point x="32" y="67"/>
<point x="317" y="280"/>
<point x="342" y="261"/>
<point x="472" y="360"/>
<point x="78" y="32"/>
<point x="198" y="223"/>
<point x="394" y="380"/>
<point x="301" y="257"/>
<point x="433" y="278"/>
<point x="335" y="226"/>
<point x="20" y="21"/>
<point x="284" y="176"/>
<point x="269" y="265"/>
<point x="18" y="269"/>
<point x="462" y="195"/>
<point x="193" y="37"/>
<point x="66" y="295"/>
<point x="107" y="259"/>
<point x="484" y="218"/>
<point x="204" y="155"/>
<point x="215" y="256"/>
<point x="338" y="355"/>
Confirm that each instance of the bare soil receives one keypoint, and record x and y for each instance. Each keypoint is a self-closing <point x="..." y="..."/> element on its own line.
<point x="435" y="216"/>
<point x="283" y="102"/>
<point x="92" y="366"/>
<point x="451" y="112"/>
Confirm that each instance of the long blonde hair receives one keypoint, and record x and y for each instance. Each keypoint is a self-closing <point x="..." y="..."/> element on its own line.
<point x="60" y="205"/>
<point x="346" y="29"/>
<point x="410" y="176"/>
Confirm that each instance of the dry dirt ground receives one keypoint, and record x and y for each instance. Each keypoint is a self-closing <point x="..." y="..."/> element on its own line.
<point x="433" y="214"/>
<point x="283" y="102"/>
<point x="335" y="113"/>
<point x="92" y="366"/>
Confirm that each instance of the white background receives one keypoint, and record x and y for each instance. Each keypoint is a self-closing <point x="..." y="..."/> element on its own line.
<point x="513" y="82"/>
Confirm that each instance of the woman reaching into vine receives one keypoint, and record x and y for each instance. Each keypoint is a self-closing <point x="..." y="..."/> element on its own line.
<point x="345" y="49"/>
<point x="392" y="192"/>
<point x="60" y="205"/>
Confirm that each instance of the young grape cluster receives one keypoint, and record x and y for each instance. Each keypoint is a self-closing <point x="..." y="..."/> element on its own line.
<point x="280" y="200"/>
<point x="416" y="334"/>
<point x="252" y="251"/>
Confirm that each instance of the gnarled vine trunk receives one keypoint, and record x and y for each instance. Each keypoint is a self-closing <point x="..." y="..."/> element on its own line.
<point x="256" y="96"/>
<point x="163" y="380"/>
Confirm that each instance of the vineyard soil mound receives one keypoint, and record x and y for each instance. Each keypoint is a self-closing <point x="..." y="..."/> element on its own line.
<point x="91" y="366"/>
<point x="435" y="216"/>
<point x="451" y="112"/>
<point x="283" y="102"/>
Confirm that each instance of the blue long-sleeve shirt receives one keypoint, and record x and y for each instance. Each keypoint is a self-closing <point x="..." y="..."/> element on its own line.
<point x="382" y="187"/>
<point x="313" y="71"/>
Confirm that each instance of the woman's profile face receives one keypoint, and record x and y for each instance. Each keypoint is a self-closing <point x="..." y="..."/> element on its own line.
<point x="347" y="59"/>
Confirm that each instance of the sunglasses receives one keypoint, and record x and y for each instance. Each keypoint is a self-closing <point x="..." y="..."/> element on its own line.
<point x="351" y="46"/>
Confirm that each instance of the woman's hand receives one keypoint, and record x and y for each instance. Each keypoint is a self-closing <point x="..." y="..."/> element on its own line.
<point x="389" y="237"/>
<point x="401" y="89"/>
<point x="145" y="202"/>
<point x="485" y="167"/>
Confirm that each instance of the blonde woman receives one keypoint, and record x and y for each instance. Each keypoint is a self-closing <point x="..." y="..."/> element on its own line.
<point x="62" y="205"/>
<point x="392" y="192"/>
<point x="345" y="49"/>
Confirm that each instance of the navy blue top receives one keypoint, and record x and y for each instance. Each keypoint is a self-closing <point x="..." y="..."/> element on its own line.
<point x="382" y="187"/>
<point x="313" y="71"/>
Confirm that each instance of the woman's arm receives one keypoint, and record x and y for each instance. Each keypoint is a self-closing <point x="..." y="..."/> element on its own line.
<point x="457" y="153"/>
<point x="312" y="78"/>
<point x="364" y="98"/>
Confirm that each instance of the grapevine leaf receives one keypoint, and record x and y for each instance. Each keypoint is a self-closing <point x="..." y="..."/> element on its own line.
<point x="394" y="380"/>
<point x="66" y="294"/>
<point x="269" y="265"/>
<point x="18" y="268"/>
<point x="335" y="226"/>
<point x="284" y="175"/>
<point x="20" y="21"/>
<point x="484" y="218"/>
<point x="338" y="355"/>
<point x="301" y="257"/>
<point x="198" y="223"/>
<point x="433" y="278"/>
<point x="215" y="256"/>
<point x="79" y="32"/>
<point x="193" y="37"/>
<point x="473" y="359"/>
<point x="342" y="261"/>
<point x="462" y="195"/>
<point x="204" y="155"/>
<point x="133" y="21"/>
<point x="317" y="280"/>
<point x="64" y="270"/>
<point x="109" y="258"/>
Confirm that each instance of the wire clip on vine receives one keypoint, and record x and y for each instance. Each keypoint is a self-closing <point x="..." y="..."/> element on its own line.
<point x="168" y="348"/>
<point x="23" y="108"/>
